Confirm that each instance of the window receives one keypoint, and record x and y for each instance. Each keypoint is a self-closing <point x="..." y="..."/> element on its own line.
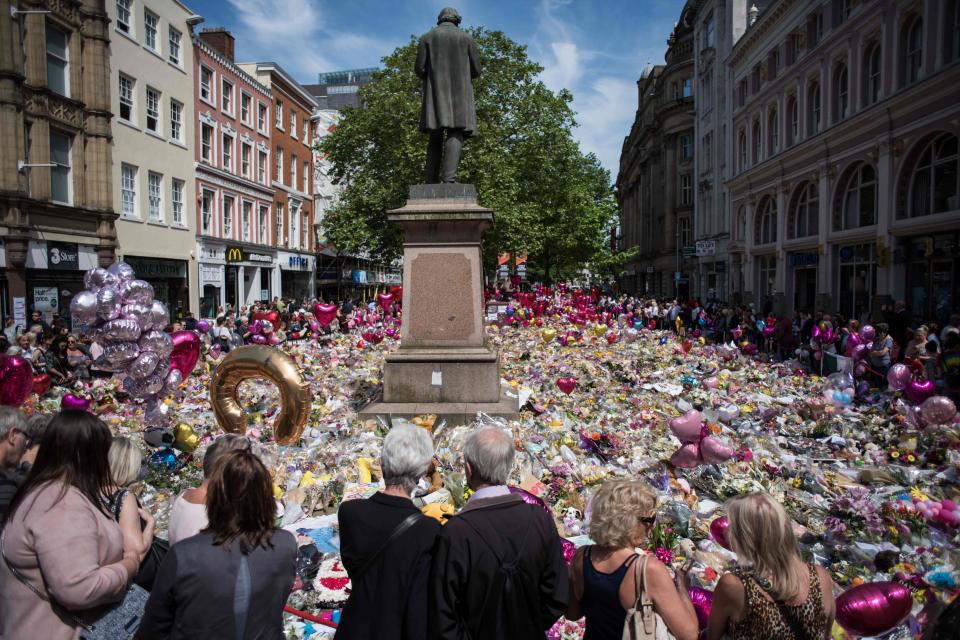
<point x="176" y="120"/>
<point x="245" y="101"/>
<point x="206" y="211"/>
<point x="128" y="190"/>
<point x="126" y="98"/>
<point x="804" y="213"/>
<point x="206" y="83"/>
<point x="765" y="222"/>
<point x="245" y="215"/>
<point x="264" y="216"/>
<point x="742" y="93"/>
<point x="707" y="155"/>
<point x="757" y="143"/>
<point x="305" y="231"/>
<point x="813" y="108"/>
<point x="856" y="204"/>
<point x="176" y="200"/>
<point x="293" y="171"/>
<point x="226" y="152"/>
<point x="683" y="231"/>
<point x="262" y="167"/>
<point x="60" y="187"/>
<point x="773" y="131"/>
<point x="306" y="177"/>
<point x="790" y="48"/>
<point x="227" y="216"/>
<point x="841" y="93"/>
<point x="226" y="96"/>
<point x="279" y="161"/>
<point x="261" y="117"/>
<point x="742" y="149"/>
<point x="858" y="279"/>
<point x="686" y="190"/>
<point x="279" y="209"/>
<point x="951" y="36"/>
<point x="841" y="11"/>
<point x="773" y="64"/>
<point x="306" y="131"/>
<point x="911" y="46"/>
<point x="705" y="94"/>
<point x="278" y="112"/>
<point x="871" y="74"/>
<point x="58" y="76"/>
<point x="245" y="150"/>
<point x="150" y="22"/>
<point x="174" y="38"/>
<point x="123" y="16"/>
<point x="814" y="29"/>
<point x="206" y="143"/>
<point x="766" y="276"/>
<point x="710" y="32"/>
<point x="293" y="123"/>
<point x="154" y="198"/>
<point x="294" y="237"/>
<point x="686" y="147"/>
<point x="793" y="132"/>
<point x="933" y="186"/>
<point x="153" y="110"/>
<point x="687" y="88"/>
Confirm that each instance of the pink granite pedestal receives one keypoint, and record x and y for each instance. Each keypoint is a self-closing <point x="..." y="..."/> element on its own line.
<point x="443" y="365"/>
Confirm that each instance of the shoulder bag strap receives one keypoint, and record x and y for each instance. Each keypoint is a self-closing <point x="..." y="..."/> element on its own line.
<point x="396" y="533"/>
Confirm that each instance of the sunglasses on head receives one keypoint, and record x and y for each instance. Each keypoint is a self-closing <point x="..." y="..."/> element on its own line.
<point x="649" y="519"/>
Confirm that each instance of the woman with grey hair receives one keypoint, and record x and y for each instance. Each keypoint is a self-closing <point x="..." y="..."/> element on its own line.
<point x="386" y="545"/>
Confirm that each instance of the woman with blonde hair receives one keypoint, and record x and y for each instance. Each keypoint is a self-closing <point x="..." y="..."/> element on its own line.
<point x="772" y="593"/>
<point x="609" y="577"/>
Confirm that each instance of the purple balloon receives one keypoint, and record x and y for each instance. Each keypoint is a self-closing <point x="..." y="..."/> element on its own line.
<point x="145" y="364"/>
<point x="122" y="271"/>
<point x="898" y="376"/>
<point x="568" y="550"/>
<point x="156" y="341"/>
<point x="531" y="499"/>
<point x="94" y="279"/>
<point x="108" y="303"/>
<point x="938" y="410"/>
<point x="259" y="339"/>
<point x="83" y="307"/>
<point x="120" y="329"/>
<point x="137" y="291"/>
<point x="152" y="384"/>
<point x="702" y="600"/>
<point x="157" y="413"/>
<point x="161" y="317"/>
<point x="203" y="326"/>
<point x="120" y="353"/>
<point x="141" y="313"/>
<point x="874" y="608"/>
<point x="868" y="333"/>
<point x="919" y="390"/>
<point x="173" y="381"/>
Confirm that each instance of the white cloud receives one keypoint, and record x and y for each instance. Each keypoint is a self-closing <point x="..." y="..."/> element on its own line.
<point x="605" y="111"/>
<point x="563" y="67"/>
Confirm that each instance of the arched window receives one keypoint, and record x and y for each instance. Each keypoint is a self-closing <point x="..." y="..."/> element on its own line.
<point x="742" y="149"/>
<point x="765" y="222"/>
<point x="856" y="201"/>
<point x="773" y="131"/>
<point x="803" y="217"/>
<point x="841" y="93"/>
<point x="911" y="50"/>
<point x="813" y="108"/>
<point x="871" y="73"/>
<point x="932" y="179"/>
<point x="793" y="117"/>
<point x="757" y="140"/>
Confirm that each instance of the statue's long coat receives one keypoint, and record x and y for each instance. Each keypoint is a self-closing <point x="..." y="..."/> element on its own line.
<point x="447" y="61"/>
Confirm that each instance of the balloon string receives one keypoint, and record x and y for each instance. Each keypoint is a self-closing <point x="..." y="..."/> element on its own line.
<point x="309" y="616"/>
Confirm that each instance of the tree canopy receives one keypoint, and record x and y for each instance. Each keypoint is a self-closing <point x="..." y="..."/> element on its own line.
<point x="552" y="202"/>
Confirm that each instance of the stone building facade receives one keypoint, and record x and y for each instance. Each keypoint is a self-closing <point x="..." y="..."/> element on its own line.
<point x="655" y="185"/>
<point x="844" y="189"/>
<point x="152" y="74"/>
<point x="291" y="136"/>
<point x="236" y="224"/>
<point x="56" y="201"/>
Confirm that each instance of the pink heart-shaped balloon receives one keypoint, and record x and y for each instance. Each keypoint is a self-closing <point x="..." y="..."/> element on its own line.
<point x="567" y="384"/>
<point x="215" y="350"/>
<point x="325" y="313"/>
<point x="384" y="300"/>
<point x="919" y="390"/>
<point x="687" y="426"/>
<point x="41" y="383"/>
<point x="686" y="457"/>
<point x="718" y="531"/>
<point x="186" y="351"/>
<point x="71" y="402"/>
<point x="16" y="380"/>
<point x="272" y="316"/>
<point x="715" y="451"/>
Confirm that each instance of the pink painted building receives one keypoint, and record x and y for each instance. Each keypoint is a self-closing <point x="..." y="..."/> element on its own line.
<point x="236" y="230"/>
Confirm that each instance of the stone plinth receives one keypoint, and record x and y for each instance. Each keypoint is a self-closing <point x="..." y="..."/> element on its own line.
<point x="443" y="364"/>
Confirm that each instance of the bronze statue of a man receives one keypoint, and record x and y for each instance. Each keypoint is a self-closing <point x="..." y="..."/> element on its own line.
<point x="447" y="62"/>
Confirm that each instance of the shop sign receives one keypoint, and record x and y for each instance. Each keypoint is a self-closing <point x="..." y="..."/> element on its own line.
<point x="706" y="248"/>
<point x="236" y="254"/>
<point x="299" y="262"/>
<point x="63" y="256"/>
<point x="20" y="312"/>
<point x="804" y="259"/>
<point x="157" y="268"/>
<point x="359" y="276"/>
<point x="45" y="299"/>
<point x="393" y="278"/>
<point x="689" y="251"/>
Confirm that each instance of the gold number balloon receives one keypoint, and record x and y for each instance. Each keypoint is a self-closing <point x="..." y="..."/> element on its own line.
<point x="259" y="361"/>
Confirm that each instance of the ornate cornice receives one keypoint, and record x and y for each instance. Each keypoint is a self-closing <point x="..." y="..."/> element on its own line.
<point x="756" y="32"/>
<point x="41" y="103"/>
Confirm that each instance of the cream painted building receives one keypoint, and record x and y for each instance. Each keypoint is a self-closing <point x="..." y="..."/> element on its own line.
<point x="153" y="164"/>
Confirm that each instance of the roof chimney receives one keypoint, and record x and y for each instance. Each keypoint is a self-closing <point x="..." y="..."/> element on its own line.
<point x="220" y="39"/>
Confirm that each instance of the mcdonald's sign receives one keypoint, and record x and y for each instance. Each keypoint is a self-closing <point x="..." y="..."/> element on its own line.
<point x="234" y="254"/>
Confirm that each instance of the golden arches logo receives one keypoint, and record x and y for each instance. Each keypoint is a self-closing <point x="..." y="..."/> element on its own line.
<point x="259" y="361"/>
<point x="234" y="255"/>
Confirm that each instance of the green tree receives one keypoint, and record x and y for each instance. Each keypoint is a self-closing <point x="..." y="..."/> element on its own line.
<point x="551" y="201"/>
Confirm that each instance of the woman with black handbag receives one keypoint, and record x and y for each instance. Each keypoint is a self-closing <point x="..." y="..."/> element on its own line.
<point x="125" y="461"/>
<point x="65" y="563"/>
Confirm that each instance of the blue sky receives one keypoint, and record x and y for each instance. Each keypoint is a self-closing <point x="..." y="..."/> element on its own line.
<point x="595" y="48"/>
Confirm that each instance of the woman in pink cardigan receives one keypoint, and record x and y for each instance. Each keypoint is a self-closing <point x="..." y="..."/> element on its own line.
<point x="60" y="537"/>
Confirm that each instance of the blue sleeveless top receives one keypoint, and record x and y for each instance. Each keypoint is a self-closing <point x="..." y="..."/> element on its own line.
<point x="601" y="600"/>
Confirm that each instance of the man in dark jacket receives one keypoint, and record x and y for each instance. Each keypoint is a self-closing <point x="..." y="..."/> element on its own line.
<point x="498" y="569"/>
<point x="447" y="62"/>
